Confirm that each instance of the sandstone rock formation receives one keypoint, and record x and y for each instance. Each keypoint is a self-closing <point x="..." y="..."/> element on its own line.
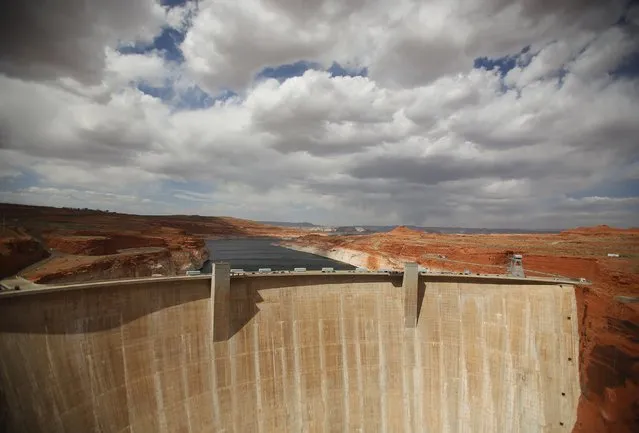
<point x="18" y="250"/>
<point x="88" y="245"/>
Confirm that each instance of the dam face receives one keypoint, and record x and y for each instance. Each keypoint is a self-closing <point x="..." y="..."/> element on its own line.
<point x="291" y="353"/>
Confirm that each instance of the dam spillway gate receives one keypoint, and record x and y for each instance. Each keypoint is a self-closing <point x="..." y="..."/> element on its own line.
<point x="305" y="352"/>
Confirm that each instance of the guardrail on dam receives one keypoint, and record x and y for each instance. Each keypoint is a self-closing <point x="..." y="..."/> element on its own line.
<point x="312" y="352"/>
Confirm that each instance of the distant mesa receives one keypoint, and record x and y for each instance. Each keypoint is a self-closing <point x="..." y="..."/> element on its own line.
<point x="403" y="230"/>
<point x="601" y="229"/>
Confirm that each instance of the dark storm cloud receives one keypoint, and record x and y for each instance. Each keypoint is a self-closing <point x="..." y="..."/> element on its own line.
<point x="431" y="170"/>
<point x="42" y="39"/>
<point x="589" y="14"/>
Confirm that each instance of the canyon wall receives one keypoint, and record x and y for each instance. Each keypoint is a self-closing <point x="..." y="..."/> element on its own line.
<point x="18" y="250"/>
<point x="352" y="257"/>
<point x="88" y="257"/>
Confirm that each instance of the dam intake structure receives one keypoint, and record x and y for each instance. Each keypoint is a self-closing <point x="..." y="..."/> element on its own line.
<point x="295" y="352"/>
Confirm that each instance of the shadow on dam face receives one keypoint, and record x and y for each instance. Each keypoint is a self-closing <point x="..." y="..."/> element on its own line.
<point x="278" y="353"/>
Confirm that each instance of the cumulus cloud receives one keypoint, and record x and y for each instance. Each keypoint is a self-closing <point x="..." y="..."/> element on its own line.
<point x="428" y="136"/>
<point x="403" y="43"/>
<point x="149" y="68"/>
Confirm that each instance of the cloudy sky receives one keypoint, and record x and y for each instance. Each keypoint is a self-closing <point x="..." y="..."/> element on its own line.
<point x="485" y="113"/>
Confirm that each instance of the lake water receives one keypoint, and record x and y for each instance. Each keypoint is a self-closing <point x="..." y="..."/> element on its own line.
<point x="252" y="254"/>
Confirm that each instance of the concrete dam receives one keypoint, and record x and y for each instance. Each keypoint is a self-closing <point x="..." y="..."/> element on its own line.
<point x="307" y="352"/>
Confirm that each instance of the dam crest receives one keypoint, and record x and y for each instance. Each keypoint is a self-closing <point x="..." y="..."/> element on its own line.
<point x="296" y="352"/>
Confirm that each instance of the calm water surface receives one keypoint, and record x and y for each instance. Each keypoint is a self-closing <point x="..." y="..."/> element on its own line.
<point x="252" y="254"/>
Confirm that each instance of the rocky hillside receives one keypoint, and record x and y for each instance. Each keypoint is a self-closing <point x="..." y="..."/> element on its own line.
<point x="87" y="245"/>
<point x="18" y="250"/>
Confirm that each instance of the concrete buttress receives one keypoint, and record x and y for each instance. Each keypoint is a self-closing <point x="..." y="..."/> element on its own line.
<point x="220" y="300"/>
<point x="409" y="286"/>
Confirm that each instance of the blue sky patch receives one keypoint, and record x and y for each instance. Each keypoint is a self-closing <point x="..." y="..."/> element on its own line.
<point x="297" y="69"/>
<point x="192" y="98"/>
<point x="194" y="186"/>
<point x="167" y="43"/>
<point x="629" y="67"/>
<point x="338" y="70"/>
<point x="286" y="71"/>
<point x="25" y="179"/>
<point x="165" y="93"/>
<point x="622" y="188"/>
<point x="502" y="64"/>
<point x="173" y="3"/>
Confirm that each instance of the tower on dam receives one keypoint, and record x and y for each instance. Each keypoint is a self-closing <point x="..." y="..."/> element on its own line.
<point x="305" y="351"/>
<point x="516" y="266"/>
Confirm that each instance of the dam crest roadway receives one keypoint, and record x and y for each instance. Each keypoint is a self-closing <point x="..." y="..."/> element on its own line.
<point x="297" y="351"/>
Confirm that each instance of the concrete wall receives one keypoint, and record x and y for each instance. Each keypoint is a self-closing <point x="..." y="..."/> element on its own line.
<point x="292" y="353"/>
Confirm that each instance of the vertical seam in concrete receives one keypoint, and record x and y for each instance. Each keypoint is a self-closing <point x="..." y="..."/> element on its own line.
<point x="322" y="357"/>
<point x="159" y="397"/>
<point x="405" y="400"/>
<point x="285" y="380"/>
<point x="531" y="351"/>
<point x="464" y="407"/>
<point x="126" y="375"/>
<point x="4" y="374"/>
<point x="360" y="383"/>
<point x="94" y="401"/>
<point x="215" y="399"/>
<point x="233" y="387"/>
<point x="186" y="383"/>
<point x="55" y="379"/>
<point x="574" y="386"/>
<point x="442" y="374"/>
<point x="510" y="389"/>
<point x="299" y="416"/>
<point x="273" y="350"/>
<point x="30" y="373"/>
<point x="486" y="393"/>
<point x="345" y="392"/>
<point x="382" y="366"/>
<point x="418" y="391"/>
<point x="258" y="379"/>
